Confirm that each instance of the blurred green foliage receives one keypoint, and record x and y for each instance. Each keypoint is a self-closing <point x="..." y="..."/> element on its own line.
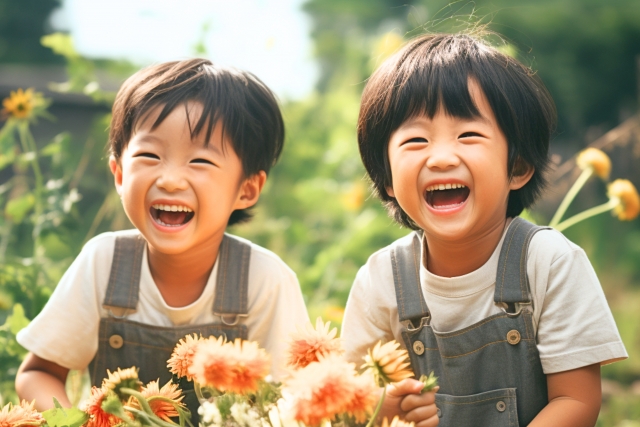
<point x="316" y="210"/>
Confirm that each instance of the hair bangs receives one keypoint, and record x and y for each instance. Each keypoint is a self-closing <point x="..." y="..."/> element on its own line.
<point x="435" y="86"/>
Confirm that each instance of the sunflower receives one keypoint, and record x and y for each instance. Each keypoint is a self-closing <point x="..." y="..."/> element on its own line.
<point x="19" y="104"/>
<point x="122" y="378"/>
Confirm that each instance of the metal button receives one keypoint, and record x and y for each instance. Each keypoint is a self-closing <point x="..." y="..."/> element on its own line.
<point x="501" y="406"/>
<point x="439" y="413"/>
<point x="116" y="341"/>
<point x="418" y="348"/>
<point x="513" y="337"/>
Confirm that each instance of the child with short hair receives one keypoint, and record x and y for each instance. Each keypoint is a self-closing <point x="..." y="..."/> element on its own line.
<point x="510" y="316"/>
<point x="191" y="144"/>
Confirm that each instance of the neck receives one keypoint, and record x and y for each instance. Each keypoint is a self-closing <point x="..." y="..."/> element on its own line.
<point x="181" y="278"/>
<point x="453" y="259"/>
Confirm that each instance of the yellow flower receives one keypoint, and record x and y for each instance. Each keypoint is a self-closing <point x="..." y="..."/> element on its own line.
<point x="122" y="378"/>
<point x="182" y="356"/>
<point x="596" y="160"/>
<point x="387" y="363"/>
<point x="397" y="422"/>
<point x="19" y="104"/>
<point x="307" y="344"/>
<point x="21" y="415"/>
<point x="627" y="195"/>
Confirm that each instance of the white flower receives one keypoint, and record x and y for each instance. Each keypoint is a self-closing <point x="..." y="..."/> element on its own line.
<point x="210" y="414"/>
<point x="245" y="415"/>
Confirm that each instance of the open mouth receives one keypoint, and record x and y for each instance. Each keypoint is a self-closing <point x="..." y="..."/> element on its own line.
<point x="171" y="215"/>
<point x="446" y="196"/>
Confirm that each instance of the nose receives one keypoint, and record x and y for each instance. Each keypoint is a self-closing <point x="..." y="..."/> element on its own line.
<point x="442" y="156"/>
<point x="172" y="180"/>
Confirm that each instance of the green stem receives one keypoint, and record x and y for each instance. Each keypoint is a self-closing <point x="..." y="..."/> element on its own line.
<point x="584" y="176"/>
<point x="596" y="210"/>
<point x="29" y="146"/>
<point x="377" y="411"/>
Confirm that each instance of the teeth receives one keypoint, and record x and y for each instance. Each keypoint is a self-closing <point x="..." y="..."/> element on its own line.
<point x="447" y="186"/>
<point x="172" y="208"/>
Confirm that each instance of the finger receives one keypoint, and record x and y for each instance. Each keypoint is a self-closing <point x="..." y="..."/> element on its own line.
<point x="421" y="413"/>
<point x="404" y="387"/>
<point x="430" y="422"/>
<point x="412" y="401"/>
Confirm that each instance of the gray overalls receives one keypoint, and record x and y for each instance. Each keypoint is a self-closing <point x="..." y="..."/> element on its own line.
<point x="489" y="373"/>
<point x="124" y="343"/>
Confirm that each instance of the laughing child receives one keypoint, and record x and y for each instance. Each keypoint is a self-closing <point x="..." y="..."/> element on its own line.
<point x="511" y="317"/>
<point x="191" y="144"/>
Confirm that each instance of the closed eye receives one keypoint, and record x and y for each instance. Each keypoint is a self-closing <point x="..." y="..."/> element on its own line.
<point x="470" y="135"/>
<point x="149" y="155"/>
<point x="204" y="161"/>
<point x="416" y="139"/>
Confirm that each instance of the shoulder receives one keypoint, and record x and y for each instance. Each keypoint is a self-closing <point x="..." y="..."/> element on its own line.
<point x="549" y="246"/>
<point x="105" y="242"/>
<point x="380" y="261"/>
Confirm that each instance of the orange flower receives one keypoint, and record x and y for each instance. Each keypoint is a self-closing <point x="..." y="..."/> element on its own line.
<point x="163" y="401"/>
<point x="20" y="415"/>
<point x="596" y="160"/>
<point x="321" y="390"/>
<point x="97" y="416"/>
<point x="308" y="343"/>
<point x="182" y="356"/>
<point x="629" y="201"/>
<point x="387" y="363"/>
<point x="397" y="422"/>
<point x="365" y="396"/>
<point x="234" y="367"/>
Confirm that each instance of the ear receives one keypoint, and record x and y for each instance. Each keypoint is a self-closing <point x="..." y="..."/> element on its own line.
<point x="390" y="192"/>
<point x="116" y="170"/>
<point x="250" y="190"/>
<point x="522" y="173"/>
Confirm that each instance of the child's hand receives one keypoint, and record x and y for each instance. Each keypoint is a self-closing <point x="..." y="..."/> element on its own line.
<point x="405" y="400"/>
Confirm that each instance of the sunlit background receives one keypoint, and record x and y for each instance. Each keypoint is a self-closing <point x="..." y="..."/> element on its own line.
<point x="316" y="212"/>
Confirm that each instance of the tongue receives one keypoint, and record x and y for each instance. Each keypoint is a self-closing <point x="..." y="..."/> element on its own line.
<point x="441" y="198"/>
<point x="172" y="218"/>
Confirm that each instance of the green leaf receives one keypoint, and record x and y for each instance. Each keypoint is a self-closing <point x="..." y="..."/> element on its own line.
<point x="7" y="139"/>
<point x="16" y="321"/>
<point x="60" y="417"/>
<point x="61" y="44"/>
<point x="430" y="382"/>
<point x="17" y="208"/>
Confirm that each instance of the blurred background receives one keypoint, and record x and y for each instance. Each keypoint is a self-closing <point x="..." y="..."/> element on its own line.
<point x="317" y="211"/>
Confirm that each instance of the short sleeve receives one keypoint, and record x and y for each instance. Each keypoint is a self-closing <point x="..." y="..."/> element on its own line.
<point x="575" y="325"/>
<point x="371" y="312"/>
<point x="276" y="306"/>
<point x="66" y="330"/>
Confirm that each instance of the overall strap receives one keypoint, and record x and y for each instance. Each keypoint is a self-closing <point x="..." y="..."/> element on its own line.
<point x="512" y="283"/>
<point x="124" y="280"/>
<point x="232" y="281"/>
<point x="405" y="262"/>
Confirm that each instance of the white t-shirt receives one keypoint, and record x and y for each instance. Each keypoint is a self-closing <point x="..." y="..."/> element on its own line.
<point x="66" y="331"/>
<point x="574" y="324"/>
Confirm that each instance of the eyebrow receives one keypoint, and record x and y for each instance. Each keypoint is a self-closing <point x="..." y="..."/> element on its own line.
<point x="153" y="138"/>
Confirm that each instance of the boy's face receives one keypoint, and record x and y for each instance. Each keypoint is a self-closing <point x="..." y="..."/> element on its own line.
<point x="450" y="174"/>
<point x="178" y="192"/>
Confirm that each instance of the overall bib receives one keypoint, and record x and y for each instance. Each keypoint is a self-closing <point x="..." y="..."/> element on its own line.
<point x="489" y="373"/>
<point x="124" y="343"/>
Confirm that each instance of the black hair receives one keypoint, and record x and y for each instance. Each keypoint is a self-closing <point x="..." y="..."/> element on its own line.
<point x="432" y="72"/>
<point x="246" y="108"/>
